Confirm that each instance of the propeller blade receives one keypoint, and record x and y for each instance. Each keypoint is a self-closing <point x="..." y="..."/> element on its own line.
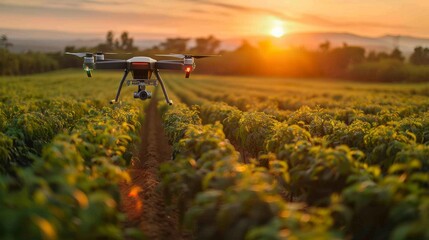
<point x="88" y="54"/>
<point x="104" y="53"/>
<point x="119" y="53"/>
<point x="77" y="54"/>
<point x="204" y="56"/>
<point x="185" y="55"/>
<point x="110" y="53"/>
<point x="171" y="55"/>
<point x="171" y="61"/>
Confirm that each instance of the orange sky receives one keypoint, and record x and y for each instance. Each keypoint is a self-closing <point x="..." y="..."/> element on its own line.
<point x="224" y="19"/>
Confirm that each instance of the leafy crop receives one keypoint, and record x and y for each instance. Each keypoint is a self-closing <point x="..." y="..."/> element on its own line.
<point x="328" y="160"/>
<point x="356" y="152"/>
<point x="61" y="159"/>
<point x="222" y="198"/>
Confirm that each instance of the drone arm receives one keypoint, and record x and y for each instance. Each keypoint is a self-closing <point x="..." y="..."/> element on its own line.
<point x="120" y="86"/>
<point x="172" y="65"/>
<point x="111" y="64"/>
<point x="169" y="102"/>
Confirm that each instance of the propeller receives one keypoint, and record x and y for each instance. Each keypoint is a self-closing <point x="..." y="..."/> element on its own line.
<point x="81" y="54"/>
<point x="111" y="53"/>
<point x="185" y="55"/>
<point x="88" y="54"/>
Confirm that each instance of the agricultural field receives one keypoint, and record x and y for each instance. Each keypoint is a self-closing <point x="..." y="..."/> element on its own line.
<point x="63" y="152"/>
<point x="318" y="159"/>
<point x="234" y="158"/>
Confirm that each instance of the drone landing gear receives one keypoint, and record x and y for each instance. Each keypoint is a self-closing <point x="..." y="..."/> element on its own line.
<point x="120" y="87"/>
<point x="142" y="93"/>
<point x="169" y="102"/>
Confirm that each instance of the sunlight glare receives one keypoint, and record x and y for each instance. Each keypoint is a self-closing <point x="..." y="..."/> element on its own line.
<point x="278" y="29"/>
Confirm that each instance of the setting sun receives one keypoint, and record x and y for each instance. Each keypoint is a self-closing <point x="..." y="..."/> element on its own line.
<point x="277" y="31"/>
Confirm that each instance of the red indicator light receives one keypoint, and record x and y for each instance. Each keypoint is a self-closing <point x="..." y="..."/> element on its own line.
<point x="188" y="69"/>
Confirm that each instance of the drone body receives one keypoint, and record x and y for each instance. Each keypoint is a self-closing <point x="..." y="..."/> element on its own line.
<point x="141" y="69"/>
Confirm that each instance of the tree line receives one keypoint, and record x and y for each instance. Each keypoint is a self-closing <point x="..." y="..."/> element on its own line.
<point x="264" y="59"/>
<point x="25" y="63"/>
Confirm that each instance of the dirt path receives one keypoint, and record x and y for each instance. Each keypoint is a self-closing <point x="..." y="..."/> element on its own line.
<point x="142" y="201"/>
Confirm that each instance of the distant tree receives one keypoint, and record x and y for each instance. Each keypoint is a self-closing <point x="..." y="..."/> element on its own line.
<point x="324" y="47"/>
<point x="336" y="61"/>
<point x="69" y="49"/>
<point x="125" y="43"/>
<point x="110" y="39"/>
<point x="244" y="60"/>
<point x="207" y="45"/>
<point x="9" y="63"/>
<point x="372" y="56"/>
<point x="420" y="56"/>
<point x="107" y="46"/>
<point x="265" y="45"/>
<point x="4" y="42"/>
<point x="117" y="45"/>
<point x="175" y="45"/>
<point x="347" y="55"/>
<point x="153" y="49"/>
<point x="25" y="63"/>
<point x="245" y="47"/>
<point x="382" y="55"/>
<point x="397" y="55"/>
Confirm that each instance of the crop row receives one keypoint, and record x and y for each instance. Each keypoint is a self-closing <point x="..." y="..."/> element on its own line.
<point x="27" y="127"/>
<point x="283" y="98"/>
<point x="381" y="144"/>
<point x="225" y="198"/>
<point x="70" y="190"/>
<point x="221" y="198"/>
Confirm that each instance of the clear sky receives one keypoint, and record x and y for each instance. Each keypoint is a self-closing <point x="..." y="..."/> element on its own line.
<point x="223" y="18"/>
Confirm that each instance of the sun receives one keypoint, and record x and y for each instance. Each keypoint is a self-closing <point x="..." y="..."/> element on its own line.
<point x="277" y="31"/>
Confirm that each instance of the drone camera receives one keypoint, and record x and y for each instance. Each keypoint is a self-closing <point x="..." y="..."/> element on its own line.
<point x="143" y="95"/>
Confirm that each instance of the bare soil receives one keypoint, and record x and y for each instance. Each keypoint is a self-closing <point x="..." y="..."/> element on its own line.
<point x="142" y="201"/>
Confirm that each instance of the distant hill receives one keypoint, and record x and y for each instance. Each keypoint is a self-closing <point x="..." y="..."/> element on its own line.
<point x="50" y="45"/>
<point x="53" y="41"/>
<point x="313" y="40"/>
<point x="49" y="41"/>
<point x="383" y="43"/>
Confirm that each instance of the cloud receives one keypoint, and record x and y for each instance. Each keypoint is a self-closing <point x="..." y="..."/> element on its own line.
<point x="206" y="12"/>
<point x="109" y="2"/>
<point x="145" y="23"/>
<point x="79" y="3"/>
<point x="307" y="19"/>
<point x="245" y="9"/>
<point x="72" y="12"/>
<point x="313" y="20"/>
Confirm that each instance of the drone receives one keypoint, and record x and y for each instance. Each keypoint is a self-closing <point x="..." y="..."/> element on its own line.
<point x="141" y="69"/>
